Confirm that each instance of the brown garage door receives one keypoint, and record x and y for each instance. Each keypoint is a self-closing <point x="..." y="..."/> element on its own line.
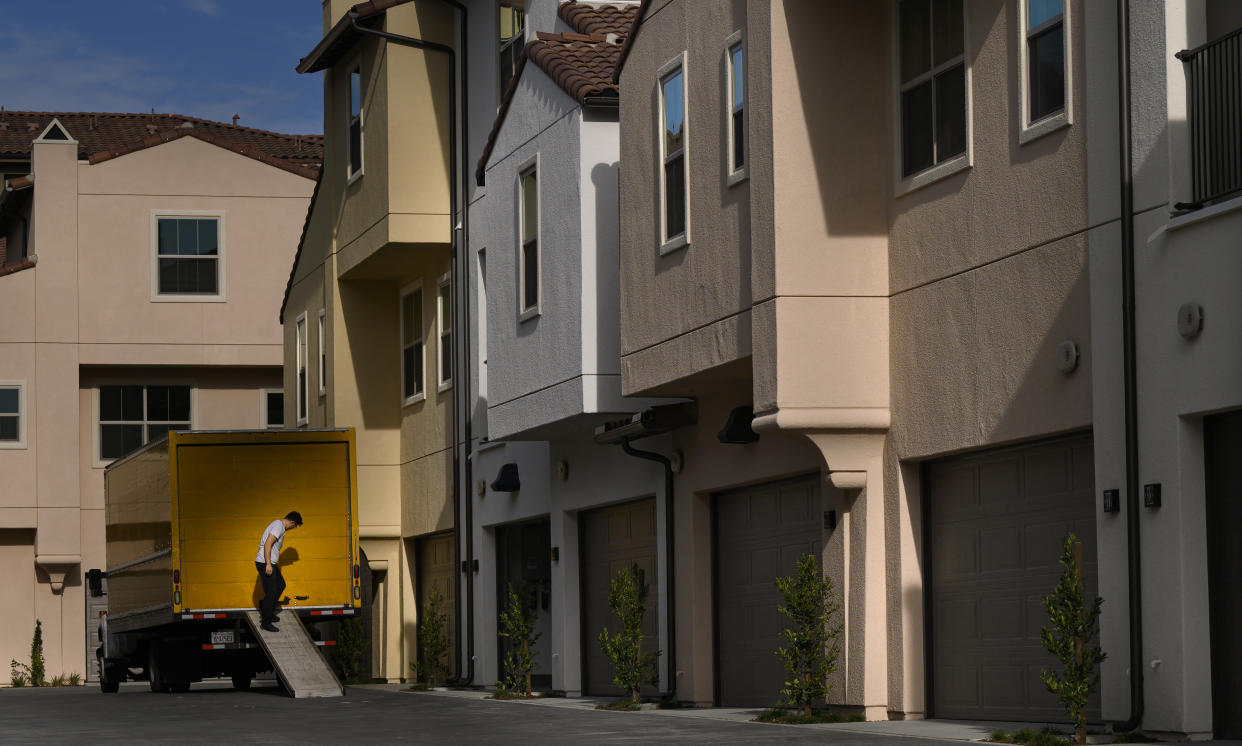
<point x="997" y="522"/>
<point x="760" y="533"/>
<point x="610" y="540"/>
<point x="436" y="565"/>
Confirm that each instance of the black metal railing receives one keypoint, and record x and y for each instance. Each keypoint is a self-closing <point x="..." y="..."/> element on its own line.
<point x="1214" y="86"/>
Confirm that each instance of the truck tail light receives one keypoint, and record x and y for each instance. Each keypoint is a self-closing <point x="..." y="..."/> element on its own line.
<point x="177" y="576"/>
<point x="355" y="572"/>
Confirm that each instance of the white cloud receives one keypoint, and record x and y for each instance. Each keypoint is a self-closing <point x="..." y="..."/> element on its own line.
<point x="210" y="7"/>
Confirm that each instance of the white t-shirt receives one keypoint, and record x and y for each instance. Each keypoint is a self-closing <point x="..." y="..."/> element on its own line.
<point x="275" y="528"/>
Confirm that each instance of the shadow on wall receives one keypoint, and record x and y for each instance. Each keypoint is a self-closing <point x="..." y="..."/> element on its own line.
<point x="604" y="176"/>
<point x="370" y="310"/>
<point x="846" y="114"/>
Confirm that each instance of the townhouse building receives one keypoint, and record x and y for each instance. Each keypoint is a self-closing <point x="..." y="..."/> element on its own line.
<point x="554" y="510"/>
<point x="937" y="313"/>
<point x="373" y="306"/>
<point x="140" y="256"/>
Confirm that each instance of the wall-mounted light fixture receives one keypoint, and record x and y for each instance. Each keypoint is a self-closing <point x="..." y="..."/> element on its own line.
<point x="737" y="429"/>
<point x="1190" y="320"/>
<point x="507" y="480"/>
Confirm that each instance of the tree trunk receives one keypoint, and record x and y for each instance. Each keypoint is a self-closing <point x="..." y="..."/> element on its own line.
<point x="526" y="651"/>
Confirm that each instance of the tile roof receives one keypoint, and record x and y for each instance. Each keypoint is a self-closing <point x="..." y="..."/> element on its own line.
<point x="629" y="39"/>
<point x="581" y="64"/>
<point x="102" y="136"/>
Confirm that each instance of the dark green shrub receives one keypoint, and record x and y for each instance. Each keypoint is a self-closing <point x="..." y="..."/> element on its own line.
<point x="627" y="597"/>
<point x="1072" y="626"/>
<point x="517" y="624"/>
<point x="351" y="644"/>
<point x="434" y="641"/>
<point x="811" y="643"/>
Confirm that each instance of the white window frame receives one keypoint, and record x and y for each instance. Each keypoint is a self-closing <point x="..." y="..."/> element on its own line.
<point x="736" y="175"/>
<point x="525" y="313"/>
<point x="669" y="244"/>
<point x="944" y="169"/>
<point x="323" y="354"/>
<point x="221" y="294"/>
<point x="20" y="443"/>
<point x="420" y="375"/>
<point x="98" y="461"/>
<point x="1028" y="130"/>
<point x="443" y="384"/>
<point x="301" y="396"/>
<point x="263" y="394"/>
<point x="350" y="175"/>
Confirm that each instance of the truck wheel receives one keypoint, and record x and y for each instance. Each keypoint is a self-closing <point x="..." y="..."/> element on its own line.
<point x="154" y="676"/>
<point x="241" y="682"/>
<point x="108" y="683"/>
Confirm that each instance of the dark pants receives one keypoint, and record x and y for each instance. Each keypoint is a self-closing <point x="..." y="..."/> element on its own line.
<point x="273" y="586"/>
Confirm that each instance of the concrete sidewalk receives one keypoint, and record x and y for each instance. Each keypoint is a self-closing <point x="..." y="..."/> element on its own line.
<point x="938" y="730"/>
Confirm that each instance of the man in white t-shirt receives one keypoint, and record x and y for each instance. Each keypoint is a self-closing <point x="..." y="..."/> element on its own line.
<point x="269" y="570"/>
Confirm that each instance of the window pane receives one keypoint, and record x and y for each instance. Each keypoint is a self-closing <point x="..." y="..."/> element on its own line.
<point x="916" y="129"/>
<point x="407" y="372"/>
<point x="117" y="440"/>
<point x="208" y="241"/>
<point x="674" y="116"/>
<point x="913" y="22"/>
<point x="446" y="309"/>
<point x="418" y="368"/>
<point x="739" y="76"/>
<point x="157" y="403"/>
<point x="409" y="329"/>
<point x="1047" y="72"/>
<point x="530" y="275"/>
<point x="168" y="276"/>
<point x="8" y="428"/>
<point x="8" y="401"/>
<point x="131" y="403"/>
<point x="530" y="205"/>
<point x="1039" y="11"/>
<point x="275" y="408"/>
<point x="355" y="146"/>
<point x="301" y="393"/>
<point x="950" y="113"/>
<point x="946" y="30"/>
<point x="167" y="236"/>
<point x="446" y="357"/>
<point x="178" y="404"/>
<point x="187" y="237"/>
<point x="155" y="431"/>
<point x="109" y="402"/>
<point x="355" y="93"/>
<point x="674" y="197"/>
<point x="739" y="140"/>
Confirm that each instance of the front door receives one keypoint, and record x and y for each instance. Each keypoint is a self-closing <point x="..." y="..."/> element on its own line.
<point x="1223" y="446"/>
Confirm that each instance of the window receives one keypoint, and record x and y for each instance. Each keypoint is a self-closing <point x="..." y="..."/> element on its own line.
<point x="301" y="370"/>
<point x="444" y="312"/>
<point x="188" y="257"/>
<point x="528" y="261"/>
<point x="271" y="408"/>
<point x="512" y="41"/>
<point x="12" y="414"/>
<point x="412" y="343"/>
<point x="133" y="414"/>
<point x="1045" y="59"/>
<point x="673" y="232"/>
<point x="323" y="356"/>
<point x="932" y="77"/>
<point x="737" y="108"/>
<point x="354" y="167"/>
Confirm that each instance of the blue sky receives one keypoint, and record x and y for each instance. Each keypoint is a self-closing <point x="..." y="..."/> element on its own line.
<point x="204" y="58"/>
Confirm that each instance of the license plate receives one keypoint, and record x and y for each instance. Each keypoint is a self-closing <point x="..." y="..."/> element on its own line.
<point x="222" y="637"/>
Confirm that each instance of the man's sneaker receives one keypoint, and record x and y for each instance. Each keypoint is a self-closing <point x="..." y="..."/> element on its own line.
<point x="269" y="627"/>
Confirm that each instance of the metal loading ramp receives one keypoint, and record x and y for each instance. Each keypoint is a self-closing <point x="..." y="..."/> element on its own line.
<point x="293" y="655"/>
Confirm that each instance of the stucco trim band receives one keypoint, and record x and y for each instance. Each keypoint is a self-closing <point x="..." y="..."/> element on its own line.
<point x="824" y="418"/>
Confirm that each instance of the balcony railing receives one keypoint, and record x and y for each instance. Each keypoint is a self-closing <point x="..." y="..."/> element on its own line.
<point x="1214" y="83"/>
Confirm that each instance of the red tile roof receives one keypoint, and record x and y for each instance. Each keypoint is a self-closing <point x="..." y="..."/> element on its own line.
<point x="629" y="39"/>
<point x="102" y="136"/>
<point x="582" y="64"/>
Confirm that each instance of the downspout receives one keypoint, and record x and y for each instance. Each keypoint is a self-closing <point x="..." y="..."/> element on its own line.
<point x="670" y="613"/>
<point x="1130" y="363"/>
<point x="454" y="272"/>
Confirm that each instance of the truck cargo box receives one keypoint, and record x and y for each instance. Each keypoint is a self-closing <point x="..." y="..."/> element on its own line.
<point x="184" y="516"/>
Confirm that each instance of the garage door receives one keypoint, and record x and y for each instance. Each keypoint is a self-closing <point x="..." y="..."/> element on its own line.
<point x="1223" y="445"/>
<point x="760" y="533"/>
<point x="611" y="540"/>
<point x="997" y="522"/>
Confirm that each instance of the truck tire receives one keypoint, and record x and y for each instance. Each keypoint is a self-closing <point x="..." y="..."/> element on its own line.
<point x="108" y="683"/>
<point x="154" y="677"/>
<point x="241" y="682"/>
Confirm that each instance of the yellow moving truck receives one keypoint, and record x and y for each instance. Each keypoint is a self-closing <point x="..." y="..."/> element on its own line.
<point x="184" y="515"/>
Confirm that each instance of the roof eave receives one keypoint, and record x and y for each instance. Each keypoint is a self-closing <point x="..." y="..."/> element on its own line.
<point x="337" y="43"/>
